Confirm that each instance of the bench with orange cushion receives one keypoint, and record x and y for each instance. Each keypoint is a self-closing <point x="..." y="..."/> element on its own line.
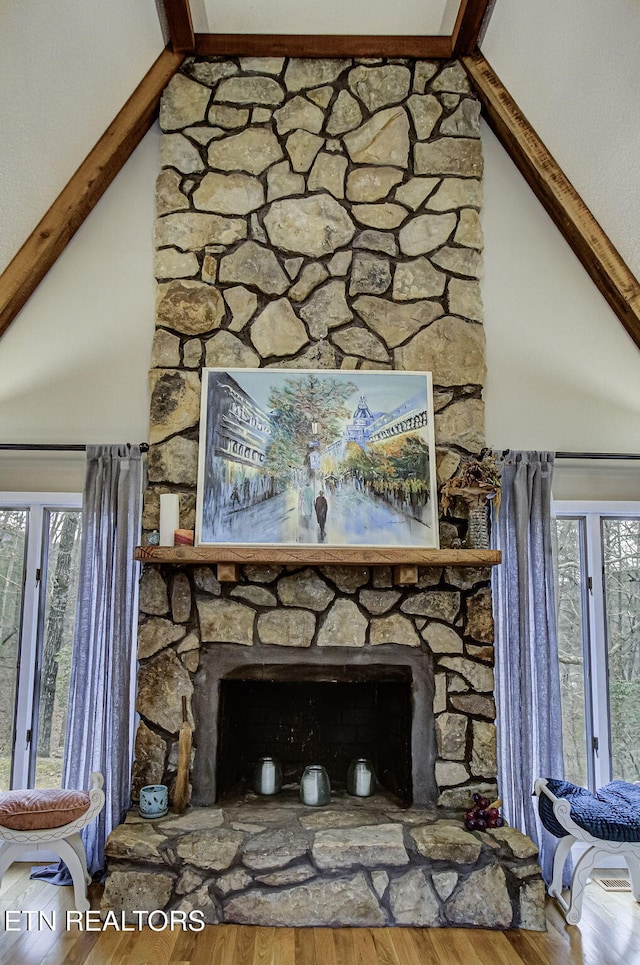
<point x="50" y="820"/>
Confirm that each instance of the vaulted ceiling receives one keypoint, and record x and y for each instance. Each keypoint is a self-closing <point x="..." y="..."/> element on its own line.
<point x="411" y="17"/>
<point x="427" y="29"/>
<point x="411" y="28"/>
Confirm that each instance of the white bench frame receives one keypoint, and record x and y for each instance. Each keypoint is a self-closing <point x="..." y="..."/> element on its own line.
<point x="64" y="841"/>
<point x="630" y="852"/>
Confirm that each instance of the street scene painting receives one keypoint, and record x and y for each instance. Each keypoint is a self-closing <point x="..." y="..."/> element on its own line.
<point x="297" y="457"/>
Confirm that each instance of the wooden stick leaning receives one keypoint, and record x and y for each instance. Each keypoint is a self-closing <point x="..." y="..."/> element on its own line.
<point x="185" y="739"/>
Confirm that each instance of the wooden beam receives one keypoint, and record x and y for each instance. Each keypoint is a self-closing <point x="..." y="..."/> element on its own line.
<point x="179" y="25"/>
<point x="47" y="242"/>
<point x="311" y="555"/>
<point x="560" y="199"/>
<point x="467" y="28"/>
<point x="327" y="45"/>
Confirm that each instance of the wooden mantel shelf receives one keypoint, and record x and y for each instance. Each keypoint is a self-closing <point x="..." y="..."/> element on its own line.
<point x="229" y="557"/>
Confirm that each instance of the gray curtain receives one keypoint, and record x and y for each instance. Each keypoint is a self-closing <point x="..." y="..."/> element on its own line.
<point x="100" y="690"/>
<point x="527" y="676"/>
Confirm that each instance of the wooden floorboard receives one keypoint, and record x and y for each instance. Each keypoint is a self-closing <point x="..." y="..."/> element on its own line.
<point x="385" y="949"/>
<point x="185" y="948"/>
<point x="245" y="944"/>
<point x="324" y="946"/>
<point x="608" y="934"/>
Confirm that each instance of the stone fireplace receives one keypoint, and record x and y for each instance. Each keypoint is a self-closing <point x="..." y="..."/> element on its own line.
<point x="319" y="214"/>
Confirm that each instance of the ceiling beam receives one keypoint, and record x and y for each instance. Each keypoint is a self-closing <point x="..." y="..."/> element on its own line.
<point x="468" y="25"/>
<point x="464" y="39"/>
<point x="49" y="239"/>
<point x="177" y="14"/>
<point x="319" y="45"/>
<point x="560" y="199"/>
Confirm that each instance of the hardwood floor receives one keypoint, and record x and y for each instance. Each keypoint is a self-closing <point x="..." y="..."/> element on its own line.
<point x="609" y="934"/>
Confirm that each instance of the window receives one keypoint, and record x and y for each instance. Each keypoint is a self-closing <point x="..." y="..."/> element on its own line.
<point x="39" y="560"/>
<point x="598" y="590"/>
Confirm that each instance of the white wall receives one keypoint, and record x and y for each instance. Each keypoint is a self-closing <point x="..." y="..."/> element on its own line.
<point x="66" y="69"/>
<point x="572" y="68"/>
<point x="562" y="373"/>
<point x="330" y="17"/>
<point x="74" y="363"/>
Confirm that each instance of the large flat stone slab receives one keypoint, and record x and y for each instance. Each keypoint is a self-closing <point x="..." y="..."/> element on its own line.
<point x="442" y="842"/>
<point x="344" y="902"/>
<point x="274" y="849"/>
<point x="214" y="850"/>
<point x="371" y="846"/>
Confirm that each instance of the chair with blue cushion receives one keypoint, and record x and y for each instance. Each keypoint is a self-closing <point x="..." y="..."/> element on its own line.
<point x="608" y="821"/>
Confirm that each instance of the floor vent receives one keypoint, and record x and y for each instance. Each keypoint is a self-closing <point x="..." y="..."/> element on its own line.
<point x="614" y="884"/>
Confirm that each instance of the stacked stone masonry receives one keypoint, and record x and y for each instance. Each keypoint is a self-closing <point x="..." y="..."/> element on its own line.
<point x="320" y="214"/>
<point x="316" y="214"/>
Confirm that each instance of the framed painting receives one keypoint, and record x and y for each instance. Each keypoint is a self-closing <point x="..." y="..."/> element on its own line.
<point x="301" y="458"/>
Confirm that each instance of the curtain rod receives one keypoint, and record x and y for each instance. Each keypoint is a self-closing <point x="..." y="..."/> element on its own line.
<point x="597" y="455"/>
<point x="54" y="447"/>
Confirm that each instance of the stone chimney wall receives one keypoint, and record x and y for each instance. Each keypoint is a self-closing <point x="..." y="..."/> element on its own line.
<point x="318" y="214"/>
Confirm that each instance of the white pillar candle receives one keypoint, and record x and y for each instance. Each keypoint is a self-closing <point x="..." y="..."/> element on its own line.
<point x="363" y="781"/>
<point x="268" y="777"/>
<point x="169" y="517"/>
<point x="310" y="793"/>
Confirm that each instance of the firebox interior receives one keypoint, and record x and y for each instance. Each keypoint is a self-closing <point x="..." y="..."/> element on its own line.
<point x="327" y="715"/>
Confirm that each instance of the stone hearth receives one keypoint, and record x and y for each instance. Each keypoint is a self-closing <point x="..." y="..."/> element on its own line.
<point x="358" y="862"/>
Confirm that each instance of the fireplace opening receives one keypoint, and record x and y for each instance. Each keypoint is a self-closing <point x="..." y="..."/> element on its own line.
<point x="316" y="715"/>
